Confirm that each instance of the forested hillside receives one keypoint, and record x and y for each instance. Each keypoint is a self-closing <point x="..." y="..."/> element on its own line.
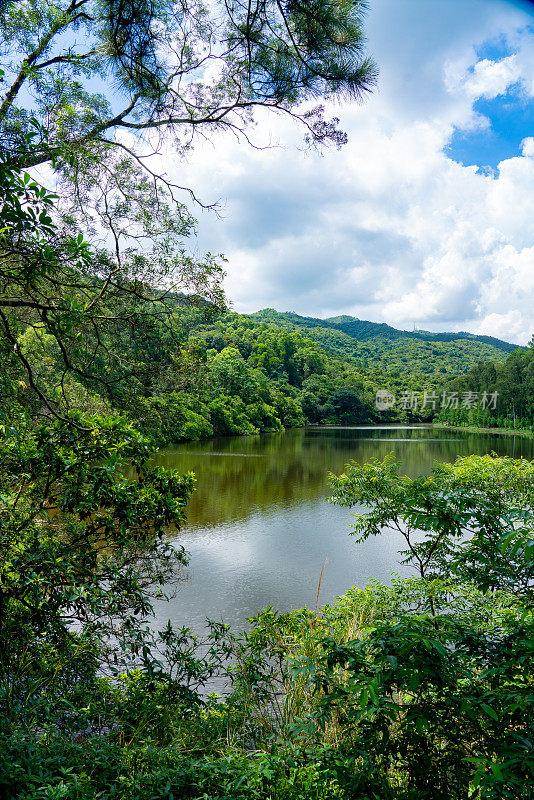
<point x="379" y="346"/>
<point x="508" y="388"/>
<point x="195" y="372"/>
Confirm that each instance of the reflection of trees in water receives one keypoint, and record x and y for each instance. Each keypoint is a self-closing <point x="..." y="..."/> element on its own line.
<point x="240" y="476"/>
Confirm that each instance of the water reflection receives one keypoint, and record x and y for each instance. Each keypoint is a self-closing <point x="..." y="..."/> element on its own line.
<point x="259" y="527"/>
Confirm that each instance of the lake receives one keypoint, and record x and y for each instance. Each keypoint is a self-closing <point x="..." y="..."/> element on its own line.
<point x="259" y="525"/>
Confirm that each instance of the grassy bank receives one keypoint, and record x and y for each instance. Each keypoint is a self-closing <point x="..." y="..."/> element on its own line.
<point x="476" y="429"/>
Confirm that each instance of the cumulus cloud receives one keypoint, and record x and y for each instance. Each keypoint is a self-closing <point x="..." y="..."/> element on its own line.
<point x="391" y="228"/>
<point x="489" y="78"/>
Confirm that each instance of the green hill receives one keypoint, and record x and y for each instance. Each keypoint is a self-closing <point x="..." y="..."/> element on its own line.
<point x="379" y="346"/>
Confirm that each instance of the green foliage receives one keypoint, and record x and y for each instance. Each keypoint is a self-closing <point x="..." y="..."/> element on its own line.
<point x="443" y="702"/>
<point x="139" y="773"/>
<point x="513" y="383"/>
<point x="445" y="706"/>
<point x="82" y="554"/>
<point x="422" y="689"/>
<point x="488" y="499"/>
<point x="420" y="359"/>
<point x="225" y="376"/>
<point x="283" y="378"/>
<point x="69" y="312"/>
<point x="170" y="419"/>
<point x="228" y="416"/>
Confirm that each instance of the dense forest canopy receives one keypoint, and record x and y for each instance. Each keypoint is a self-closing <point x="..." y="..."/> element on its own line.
<point x="379" y="346"/>
<point x="193" y="377"/>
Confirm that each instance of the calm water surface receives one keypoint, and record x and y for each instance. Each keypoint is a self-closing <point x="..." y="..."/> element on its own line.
<point x="259" y="527"/>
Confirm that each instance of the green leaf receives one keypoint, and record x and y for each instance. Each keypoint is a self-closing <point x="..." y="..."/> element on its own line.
<point x="489" y="711"/>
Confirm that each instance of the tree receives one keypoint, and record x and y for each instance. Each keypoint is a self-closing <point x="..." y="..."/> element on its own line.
<point x="92" y="304"/>
<point x="167" y="69"/>
<point x="185" y="67"/>
<point x="437" y="697"/>
<point x="472" y="520"/>
<point x="82" y="554"/>
<point x="89" y="280"/>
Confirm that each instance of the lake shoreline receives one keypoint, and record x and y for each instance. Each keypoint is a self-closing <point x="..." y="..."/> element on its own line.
<point x="259" y="526"/>
<point x="475" y="429"/>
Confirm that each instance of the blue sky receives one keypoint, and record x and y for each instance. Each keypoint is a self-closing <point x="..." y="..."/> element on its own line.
<point x="426" y="216"/>
<point x="510" y="116"/>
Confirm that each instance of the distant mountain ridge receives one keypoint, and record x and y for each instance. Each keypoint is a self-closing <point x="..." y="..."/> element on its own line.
<point x="435" y="357"/>
<point x="363" y="329"/>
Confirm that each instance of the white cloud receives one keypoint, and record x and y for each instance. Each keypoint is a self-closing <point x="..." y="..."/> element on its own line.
<point x="491" y="78"/>
<point x="508" y="326"/>
<point x="389" y="228"/>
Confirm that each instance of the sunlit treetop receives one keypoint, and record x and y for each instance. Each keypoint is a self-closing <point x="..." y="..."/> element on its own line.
<point x="87" y="69"/>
